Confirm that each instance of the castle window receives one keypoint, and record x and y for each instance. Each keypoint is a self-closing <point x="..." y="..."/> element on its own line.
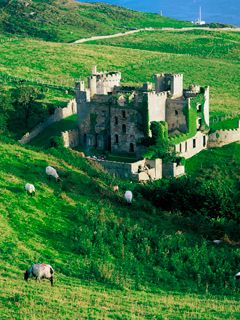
<point x="199" y="124"/>
<point x="124" y="114"/>
<point x="116" y="139"/>
<point x="131" y="148"/>
<point x="85" y="139"/>
<point x="176" y="113"/>
<point x="204" y="141"/>
<point x="194" y="143"/>
<point x="180" y="147"/>
<point x="124" y="128"/>
<point x="199" y="107"/>
<point x="186" y="146"/>
<point x="116" y="120"/>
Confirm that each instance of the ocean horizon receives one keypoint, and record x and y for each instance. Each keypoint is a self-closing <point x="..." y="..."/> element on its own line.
<point x="221" y="11"/>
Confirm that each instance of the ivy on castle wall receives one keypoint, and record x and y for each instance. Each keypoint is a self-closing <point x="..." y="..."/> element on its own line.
<point x="191" y="115"/>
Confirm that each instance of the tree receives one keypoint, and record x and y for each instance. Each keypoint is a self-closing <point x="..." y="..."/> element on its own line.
<point x="5" y="110"/>
<point x="28" y="108"/>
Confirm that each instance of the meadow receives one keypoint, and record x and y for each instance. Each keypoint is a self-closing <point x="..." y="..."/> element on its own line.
<point x="38" y="61"/>
<point x="101" y="249"/>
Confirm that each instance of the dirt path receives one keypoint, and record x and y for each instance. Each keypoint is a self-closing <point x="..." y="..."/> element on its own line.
<point x="123" y="34"/>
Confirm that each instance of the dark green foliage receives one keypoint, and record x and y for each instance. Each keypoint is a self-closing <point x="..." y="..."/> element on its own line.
<point x="5" y="110"/>
<point x="210" y="195"/>
<point x="28" y="111"/>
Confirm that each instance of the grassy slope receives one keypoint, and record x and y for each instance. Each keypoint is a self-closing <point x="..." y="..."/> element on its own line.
<point x="43" y="139"/>
<point x="226" y="158"/>
<point x="67" y="20"/>
<point x="31" y="59"/>
<point x="44" y="228"/>
<point x="72" y="299"/>
<point x="213" y="44"/>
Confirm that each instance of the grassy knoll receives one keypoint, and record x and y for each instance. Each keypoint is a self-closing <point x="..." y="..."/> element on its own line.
<point x="209" y="44"/>
<point x="31" y="59"/>
<point x="68" y="20"/>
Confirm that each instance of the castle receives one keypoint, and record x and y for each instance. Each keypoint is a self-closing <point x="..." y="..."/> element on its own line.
<point x="116" y="118"/>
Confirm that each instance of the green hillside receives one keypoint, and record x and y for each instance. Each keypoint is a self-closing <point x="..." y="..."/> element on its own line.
<point x="67" y="20"/>
<point x="88" y="234"/>
<point x="61" y="64"/>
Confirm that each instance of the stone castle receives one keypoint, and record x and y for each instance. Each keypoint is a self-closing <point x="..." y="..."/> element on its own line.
<point x="116" y="118"/>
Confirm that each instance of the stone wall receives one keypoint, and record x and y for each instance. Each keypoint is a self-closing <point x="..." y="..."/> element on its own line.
<point x="175" y="115"/>
<point x="142" y="170"/>
<point x="173" y="170"/>
<point x="192" y="146"/>
<point x="157" y="106"/>
<point x="70" y="138"/>
<point x="223" y="137"/>
<point x="59" y="114"/>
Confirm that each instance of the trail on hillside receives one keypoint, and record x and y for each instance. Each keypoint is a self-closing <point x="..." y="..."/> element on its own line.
<point x="123" y="34"/>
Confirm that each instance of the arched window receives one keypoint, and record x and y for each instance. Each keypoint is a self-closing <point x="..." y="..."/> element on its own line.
<point x="116" y="120"/>
<point x="124" y="128"/>
<point x="131" y="148"/>
<point x="176" y="113"/>
<point x="116" y="139"/>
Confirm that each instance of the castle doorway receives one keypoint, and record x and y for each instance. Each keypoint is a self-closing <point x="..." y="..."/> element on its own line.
<point x="131" y="148"/>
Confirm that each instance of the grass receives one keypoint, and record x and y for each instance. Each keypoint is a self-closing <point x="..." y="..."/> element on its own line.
<point x="31" y="59"/>
<point x="102" y="250"/>
<point x="73" y="299"/>
<point x="226" y="158"/>
<point x="43" y="139"/>
<point x="67" y="20"/>
<point x="201" y="43"/>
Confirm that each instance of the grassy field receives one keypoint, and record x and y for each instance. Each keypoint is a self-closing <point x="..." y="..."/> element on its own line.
<point x="68" y="20"/>
<point x="111" y="261"/>
<point x="73" y="299"/>
<point x="40" y="61"/>
<point x="226" y="158"/>
<point x="201" y="43"/>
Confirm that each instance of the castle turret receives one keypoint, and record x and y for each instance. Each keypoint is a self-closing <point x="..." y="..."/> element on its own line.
<point x="169" y="82"/>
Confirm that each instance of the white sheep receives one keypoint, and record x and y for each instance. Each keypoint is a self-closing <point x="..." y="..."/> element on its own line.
<point x="39" y="271"/>
<point x="51" y="172"/>
<point x="237" y="276"/>
<point x="30" y="189"/>
<point x="128" y="197"/>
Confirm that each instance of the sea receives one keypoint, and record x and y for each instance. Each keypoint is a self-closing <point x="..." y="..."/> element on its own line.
<point x="222" y="11"/>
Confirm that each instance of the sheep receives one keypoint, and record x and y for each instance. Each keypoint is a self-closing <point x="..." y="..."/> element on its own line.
<point x="51" y="172"/>
<point x="237" y="276"/>
<point x="115" y="188"/>
<point x="40" y="271"/>
<point x="30" y="189"/>
<point x="128" y="197"/>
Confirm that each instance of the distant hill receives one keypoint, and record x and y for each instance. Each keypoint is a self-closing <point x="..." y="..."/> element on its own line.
<point x="67" y="20"/>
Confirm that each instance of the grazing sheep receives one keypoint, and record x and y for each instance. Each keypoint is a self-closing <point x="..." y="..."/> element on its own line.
<point x="40" y="271"/>
<point x="237" y="276"/>
<point x="217" y="241"/>
<point x="116" y="188"/>
<point x="51" y="172"/>
<point x="128" y="197"/>
<point x="30" y="189"/>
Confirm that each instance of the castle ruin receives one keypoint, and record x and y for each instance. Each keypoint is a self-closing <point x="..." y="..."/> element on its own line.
<point x="116" y="118"/>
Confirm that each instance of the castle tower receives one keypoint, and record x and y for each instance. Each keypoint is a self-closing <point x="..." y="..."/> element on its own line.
<point x="169" y="82"/>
